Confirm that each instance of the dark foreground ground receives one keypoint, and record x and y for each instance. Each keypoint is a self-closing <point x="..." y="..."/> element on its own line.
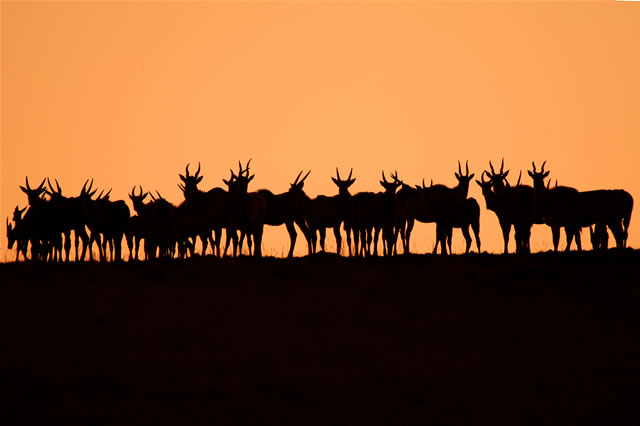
<point x="422" y="340"/>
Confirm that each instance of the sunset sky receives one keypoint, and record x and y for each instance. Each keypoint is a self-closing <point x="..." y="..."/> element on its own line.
<point x="128" y="93"/>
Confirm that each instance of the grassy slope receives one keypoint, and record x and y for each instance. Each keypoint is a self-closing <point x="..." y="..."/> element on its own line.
<point x="324" y="340"/>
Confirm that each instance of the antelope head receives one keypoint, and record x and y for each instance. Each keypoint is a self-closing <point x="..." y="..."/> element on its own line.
<point x="190" y="183"/>
<point x="54" y="193"/>
<point x="240" y="182"/>
<point x="87" y="193"/>
<point x="137" y="199"/>
<point x="538" y="176"/>
<point x="484" y="185"/>
<point x="34" y="194"/>
<point x="343" y="185"/>
<point x="17" y="214"/>
<point x="464" y="179"/>
<point x="499" y="179"/>
<point x="390" y="186"/>
<point x="297" y="185"/>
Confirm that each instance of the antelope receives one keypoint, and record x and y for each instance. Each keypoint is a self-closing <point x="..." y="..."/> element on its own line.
<point x="517" y="208"/>
<point x="111" y="220"/>
<point x="70" y="216"/>
<point x="43" y="228"/>
<point x="555" y="207"/>
<point x="17" y="234"/>
<point x="573" y="210"/>
<point x="287" y="209"/>
<point x="375" y="212"/>
<point x="330" y="212"/>
<point x="205" y="211"/>
<point x="155" y="223"/>
<point x="248" y="211"/>
<point x="452" y="213"/>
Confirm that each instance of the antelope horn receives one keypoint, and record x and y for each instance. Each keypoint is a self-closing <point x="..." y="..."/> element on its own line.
<point x="502" y="166"/>
<point x="99" y="195"/>
<point x="423" y="185"/>
<point x="187" y="170"/>
<point x="50" y="186"/>
<point x="152" y="197"/>
<point x="338" y="174"/>
<point x="84" y="187"/>
<point x="383" y="178"/>
<point x="533" y="163"/>
<point x="467" y="167"/>
<point x="159" y="196"/>
<point x="519" y="176"/>
<point x="58" y="186"/>
<point x="295" y="182"/>
<point x="459" y="169"/>
<point x="542" y="169"/>
<point x="197" y="171"/>
<point x="41" y="185"/>
<point x="493" y="172"/>
<point x="107" y="194"/>
<point x="305" y="176"/>
<point x="482" y="176"/>
<point x="247" y="167"/>
<point x="431" y="184"/>
<point x="181" y="186"/>
<point x="26" y="179"/>
<point x="349" y="178"/>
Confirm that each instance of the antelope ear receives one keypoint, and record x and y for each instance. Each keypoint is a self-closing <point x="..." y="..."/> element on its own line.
<point x="24" y="190"/>
<point x="334" y="180"/>
<point x="382" y="183"/>
<point x="199" y="179"/>
<point x="546" y="174"/>
<point x="351" y="181"/>
<point x="478" y="182"/>
<point x="182" y="178"/>
<point x="472" y="175"/>
<point x="144" y="196"/>
<point x="251" y="178"/>
<point x="530" y="174"/>
<point x="506" y="173"/>
<point x="225" y="181"/>
<point x="457" y="175"/>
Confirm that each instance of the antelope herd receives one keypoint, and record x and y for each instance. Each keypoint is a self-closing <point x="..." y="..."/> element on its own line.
<point x="168" y="230"/>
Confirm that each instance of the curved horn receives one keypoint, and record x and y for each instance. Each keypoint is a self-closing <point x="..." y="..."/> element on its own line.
<point x="383" y="178"/>
<point x="187" y="170"/>
<point x="84" y="187"/>
<point x="502" y="166"/>
<point x="423" y="185"/>
<point x="459" y="169"/>
<point x="482" y="176"/>
<point x="542" y="169"/>
<point x="26" y="179"/>
<point x="533" y="163"/>
<point x="50" y="186"/>
<point x="197" y="171"/>
<point x="58" y="186"/>
<point x="107" y="194"/>
<point x="246" y="169"/>
<point x="349" y="178"/>
<point x="493" y="172"/>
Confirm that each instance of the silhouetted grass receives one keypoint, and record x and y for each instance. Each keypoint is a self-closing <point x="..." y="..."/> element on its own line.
<point x="545" y="338"/>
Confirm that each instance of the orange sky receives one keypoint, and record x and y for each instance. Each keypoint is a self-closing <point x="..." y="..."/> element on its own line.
<point x="128" y="93"/>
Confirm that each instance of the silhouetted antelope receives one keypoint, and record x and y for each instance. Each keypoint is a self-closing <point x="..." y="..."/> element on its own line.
<point x="69" y="214"/>
<point x="205" y="211"/>
<point x="517" y="207"/>
<point x="248" y="210"/>
<point x="287" y="209"/>
<point x="108" y="221"/>
<point x="42" y="224"/>
<point x="375" y="212"/>
<point x="325" y="212"/>
<point x="572" y="209"/>
<point x="16" y="234"/>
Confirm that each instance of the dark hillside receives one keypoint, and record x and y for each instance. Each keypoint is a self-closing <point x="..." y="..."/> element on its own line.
<point x="479" y="339"/>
